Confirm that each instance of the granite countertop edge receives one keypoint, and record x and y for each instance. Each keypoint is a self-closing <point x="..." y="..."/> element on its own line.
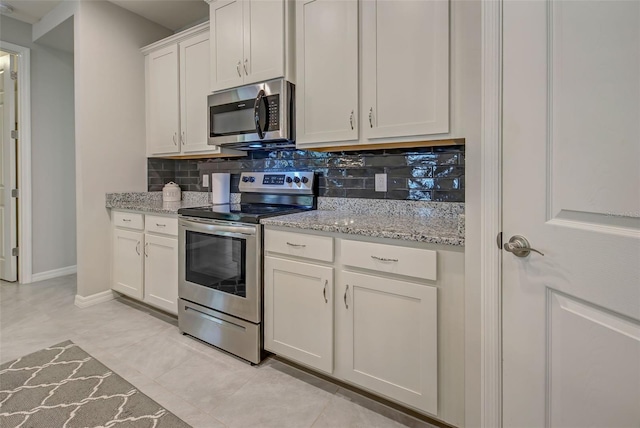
<point x="433" y="232"/>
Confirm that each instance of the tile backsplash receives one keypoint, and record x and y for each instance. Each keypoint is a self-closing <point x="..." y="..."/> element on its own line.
<point x="426" y="174"/>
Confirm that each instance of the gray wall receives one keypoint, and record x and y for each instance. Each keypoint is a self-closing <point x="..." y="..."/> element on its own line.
<point x="110" y="126"/>
<point x="52" y="149"/>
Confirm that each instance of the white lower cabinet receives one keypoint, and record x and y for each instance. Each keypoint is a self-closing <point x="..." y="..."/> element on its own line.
<point x="128" y="263"/>
<point x="377" y="326"/>
<point x="298" y="311"/>
<point x="390" y="338"/>
<point x="161" y="272"/>
<point x="145" y="258"/>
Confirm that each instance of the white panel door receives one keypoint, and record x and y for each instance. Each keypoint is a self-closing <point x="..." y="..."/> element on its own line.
<point x="161" y="272"/>
<point x="405" y="68"/>
<point x="327" y="71"/>
<point x="571" y="183"/>
<point x="8" y="221"/>
<point x="194" y="89"/>
<point x="263" y="40"/>
<point x="227" y="44"/>
<point x="163" y="103"/>
<point x="128" y="262"/>
<point x="391" y="341"/>
<point x="298" y="312"/>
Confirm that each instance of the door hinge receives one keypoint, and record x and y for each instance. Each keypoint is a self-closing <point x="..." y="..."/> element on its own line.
<point x="14" y="75"/>
<point x="14" y="252"/>
<point x="14" y="134"/>
<point x="15" y="193"/>
<point x="499" y="240"/>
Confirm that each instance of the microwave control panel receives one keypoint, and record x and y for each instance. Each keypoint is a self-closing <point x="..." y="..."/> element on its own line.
<point x="277" y="182"/>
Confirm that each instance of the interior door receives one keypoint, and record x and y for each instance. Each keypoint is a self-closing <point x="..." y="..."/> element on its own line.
<point x="571" y="186"/>
<point x="8" y="229"/>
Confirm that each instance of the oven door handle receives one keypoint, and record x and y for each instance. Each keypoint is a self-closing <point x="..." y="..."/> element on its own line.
<point x="217" y="229"/>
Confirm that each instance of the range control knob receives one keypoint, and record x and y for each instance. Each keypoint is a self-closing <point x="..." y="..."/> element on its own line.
<point x="296" y="180"/>
<point x="245" y="179"/>
<point x="305" y="180"/>
<point x="252" y="179"/>
<point x="289" y="179"/>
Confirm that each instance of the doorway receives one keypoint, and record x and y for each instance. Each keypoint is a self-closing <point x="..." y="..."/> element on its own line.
<point x="19" y="191"/>
<point x="8" y="167"/>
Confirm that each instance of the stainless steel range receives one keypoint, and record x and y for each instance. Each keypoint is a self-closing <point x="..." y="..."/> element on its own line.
<point x="220" y="267"/>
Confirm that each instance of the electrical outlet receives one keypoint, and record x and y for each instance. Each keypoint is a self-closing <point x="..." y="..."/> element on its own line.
<point x="381" y="182"/>
<point x="205" y="180"/>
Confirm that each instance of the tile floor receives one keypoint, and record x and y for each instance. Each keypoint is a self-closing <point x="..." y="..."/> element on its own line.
<point x="201" y="385"/>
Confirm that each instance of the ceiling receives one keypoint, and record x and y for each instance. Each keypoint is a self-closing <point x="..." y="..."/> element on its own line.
<point x="171" y="14"/>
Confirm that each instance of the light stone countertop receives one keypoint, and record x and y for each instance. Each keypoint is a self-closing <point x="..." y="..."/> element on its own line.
<point x="432" y="222"/>
<point x="432" y="229"/>
<point x="151" y="202"/>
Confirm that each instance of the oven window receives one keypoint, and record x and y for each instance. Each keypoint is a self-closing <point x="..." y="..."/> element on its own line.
<point x="216" y="262"/>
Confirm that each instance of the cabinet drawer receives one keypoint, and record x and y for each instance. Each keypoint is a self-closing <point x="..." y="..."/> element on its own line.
<point x="128" y="220"/>
<point x="299" y="244"/>
<point x="414" y="262"/>
<point x="165" y="225"/>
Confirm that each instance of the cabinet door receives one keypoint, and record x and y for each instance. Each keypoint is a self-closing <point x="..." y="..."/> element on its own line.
<point x="405" y="68"/>
<point x="161" y="272"/>
<point x="263" y="40"/>
<point x="327" y="71"/>
<point x="194" y="89"/>
<point x="390" y="338"/>
<point x="127" y="262"/>
<point x="227" y="43"/>
<point x="163" y="103"/>
<point x="298" y="312"/>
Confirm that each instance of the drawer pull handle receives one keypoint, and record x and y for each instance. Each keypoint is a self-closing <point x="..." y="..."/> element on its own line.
<point x="161" y="225"/>
<point x="382" y="259"/>
<point x="126" y="219"/>
<point x="138" y="247"/>
<point x="324" y="291"/>
<point x="296" y="245"/>
<point x="146" y="249"/>
<point x="345" y="297"/>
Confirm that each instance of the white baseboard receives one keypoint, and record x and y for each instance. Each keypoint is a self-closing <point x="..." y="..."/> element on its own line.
<point x="55" y="273"/>
<point x="94" y="299"/>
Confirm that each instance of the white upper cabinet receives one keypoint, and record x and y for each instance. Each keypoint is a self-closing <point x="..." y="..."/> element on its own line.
<point x="405" y="68"/>
<point x="327" y="71"/>
<point x="227" y="43"/>
<point x="248" y="41"/>
<point x="163" y="101"/>
<point x="194" y="84"/>
<point x="177" y="86"/>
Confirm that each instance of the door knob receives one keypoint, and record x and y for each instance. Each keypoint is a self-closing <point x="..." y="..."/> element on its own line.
<point x="519" y="246"/>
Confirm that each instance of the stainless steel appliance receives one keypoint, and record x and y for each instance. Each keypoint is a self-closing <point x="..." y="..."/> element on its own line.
<point x="253" y="117"/>
<point x="220" y="268"/>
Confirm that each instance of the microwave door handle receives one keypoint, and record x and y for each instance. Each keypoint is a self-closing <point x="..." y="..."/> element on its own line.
<point x="256" y="113"/>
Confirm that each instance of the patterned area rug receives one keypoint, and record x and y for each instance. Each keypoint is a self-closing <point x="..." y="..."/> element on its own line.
<point x="63" y="386"/>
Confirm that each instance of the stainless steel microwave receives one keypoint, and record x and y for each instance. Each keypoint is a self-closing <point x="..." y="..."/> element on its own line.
<point x="253" y="117"/>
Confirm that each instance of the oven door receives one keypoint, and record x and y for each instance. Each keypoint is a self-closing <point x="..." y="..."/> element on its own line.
<point x="219" y="266"/>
